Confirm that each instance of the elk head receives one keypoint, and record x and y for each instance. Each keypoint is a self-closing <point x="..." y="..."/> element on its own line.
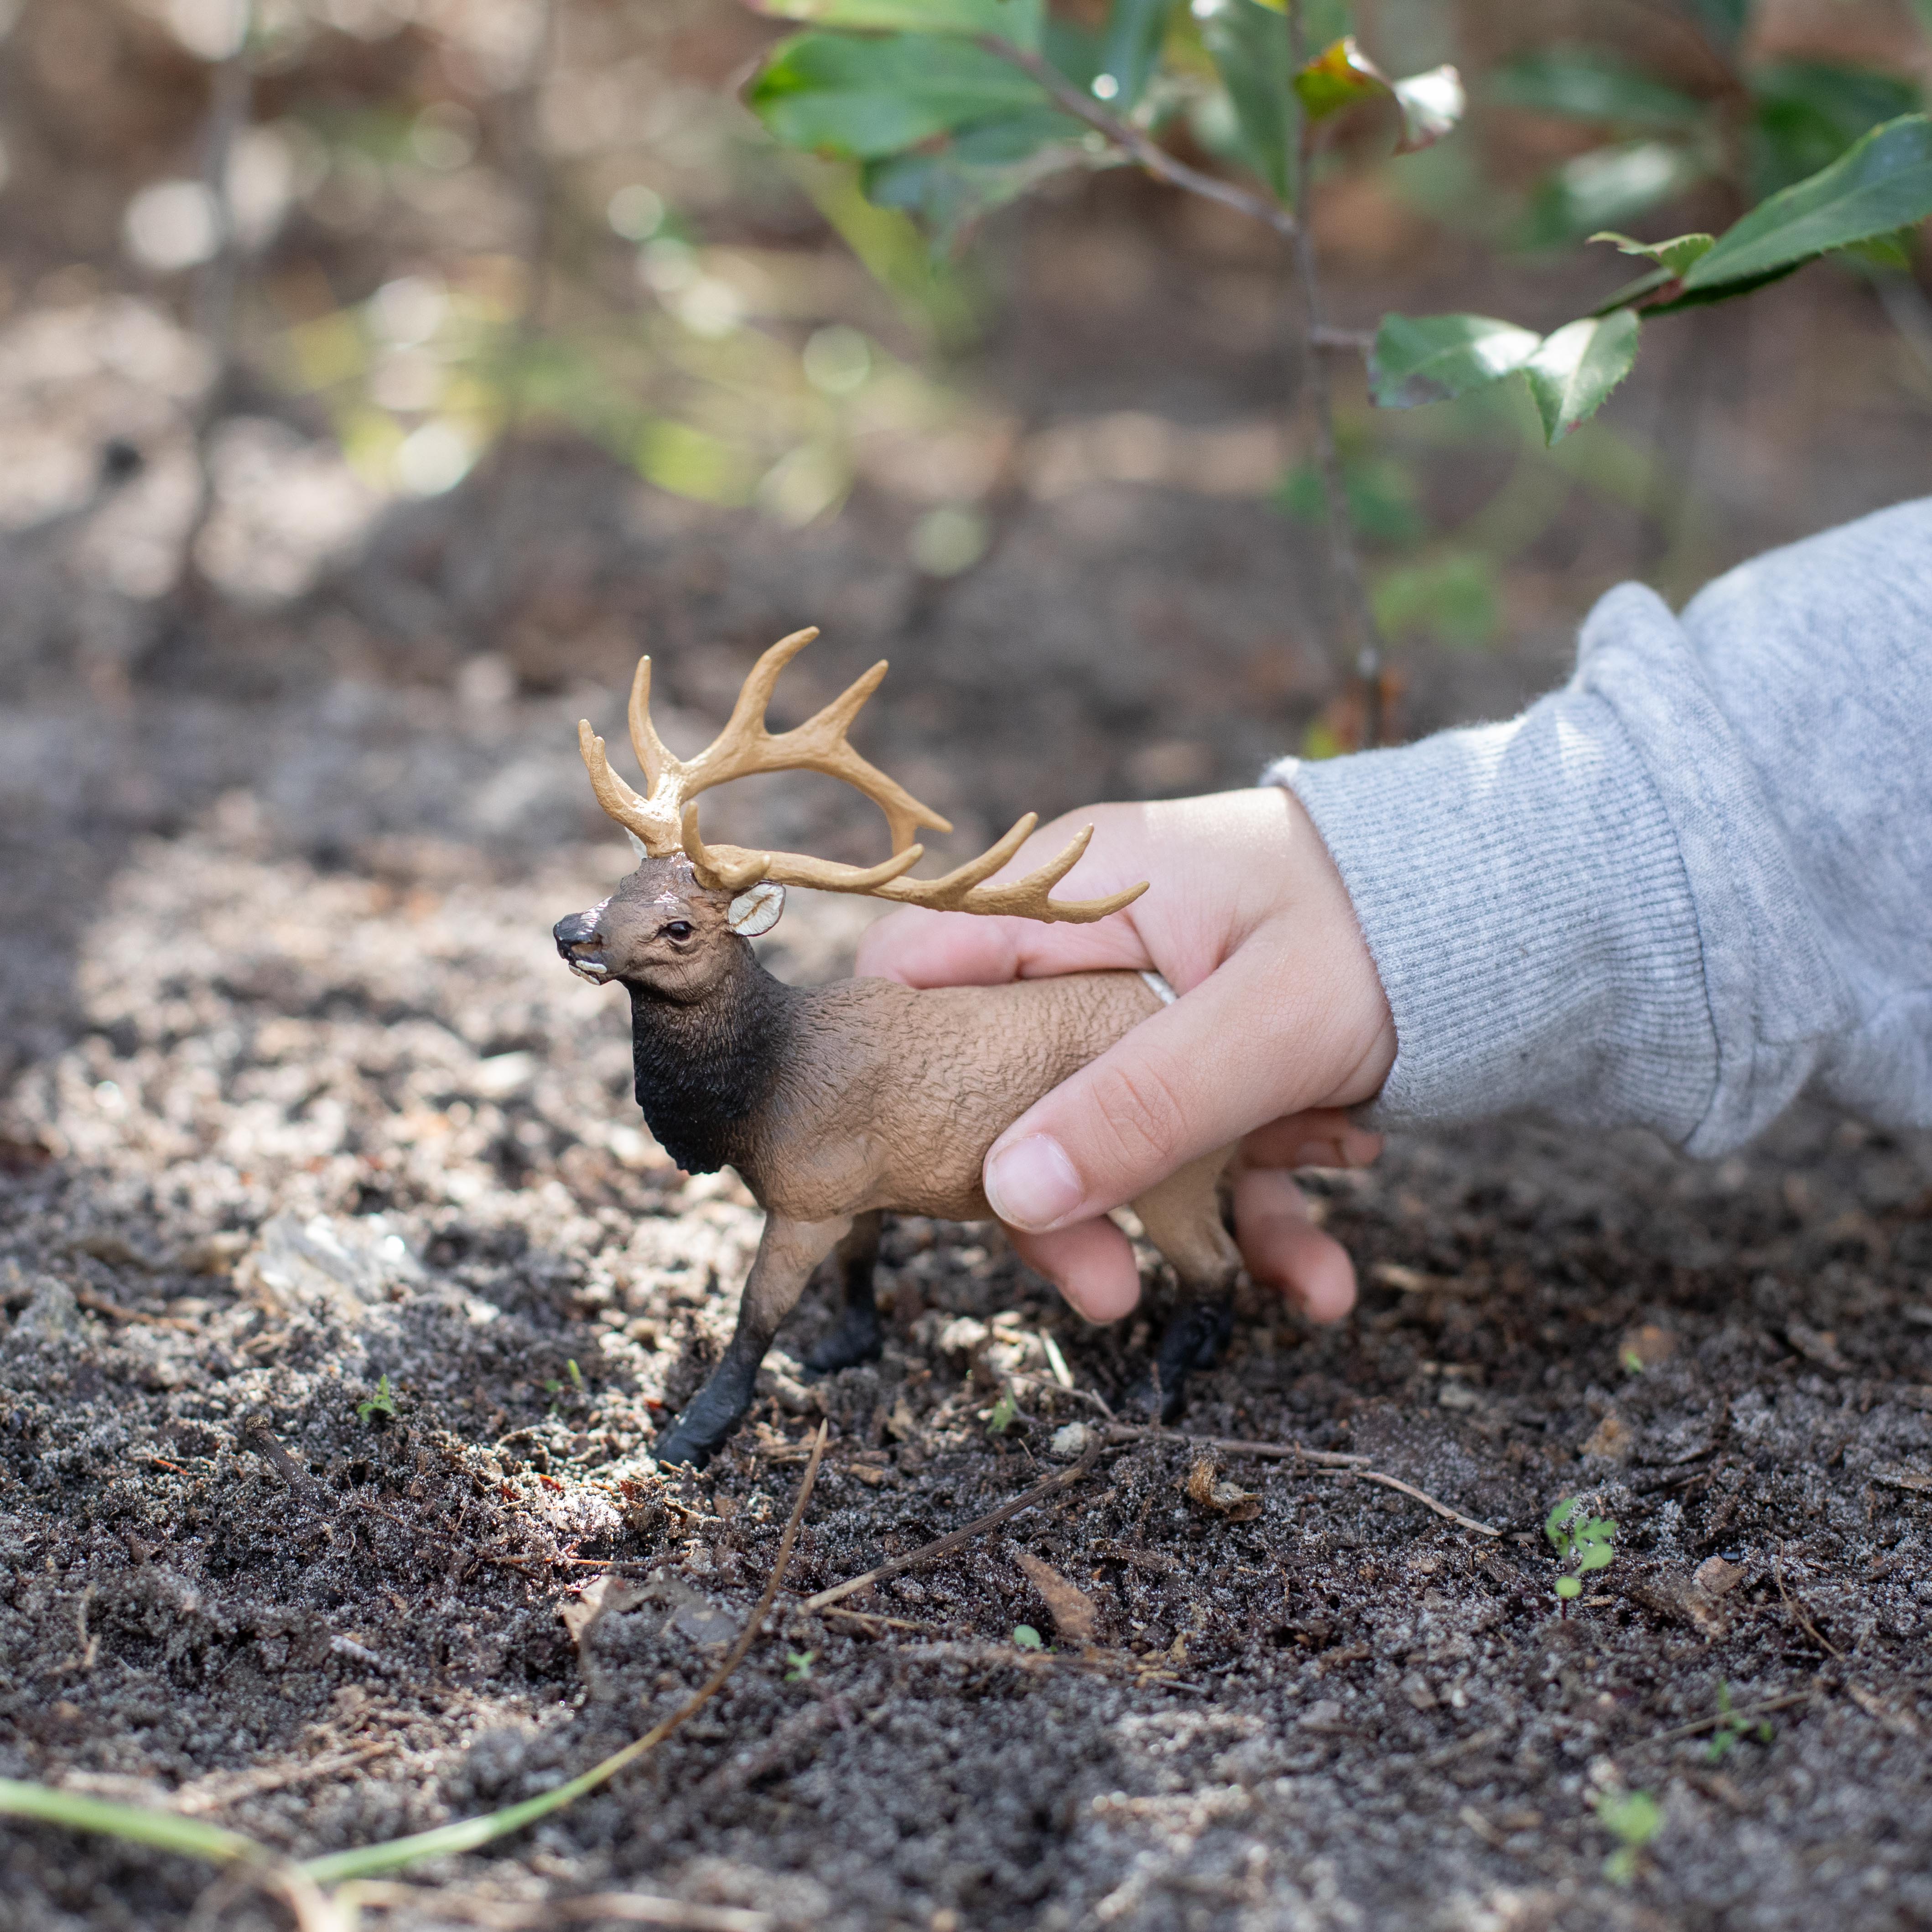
<point x="669" y="930"/>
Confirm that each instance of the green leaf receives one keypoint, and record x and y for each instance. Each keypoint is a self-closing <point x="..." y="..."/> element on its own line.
<point x="1342" y="76"/>
<point x="1130" y="50"/>
<point x="1594" y="1556"/>
<point x="950" y="188"/>
<point x="861" y="100"/>
<point x="1006" y="1411"/>
<point x="1027" y="1638"/>
<point x="1588" y="84"/>
<point x="1553" y="1523"/>
<point x="1568" y="1588"/>
<point x="1429" y="358"/>
<point x="1249" y="45"/>
<point x="1339" y="76"/>
<point x="1807" y="113"/>
<point x="1606" y="186"/>
<point x="1882" y="183"/>
<point x="1675" y="256"/>
<point x="1575" y="369"/>
<point x="167" y="1831"/>
<point x="1455" y="597"/>
<point x="1019" y="21"/>
<point x="1634" y="1816"/>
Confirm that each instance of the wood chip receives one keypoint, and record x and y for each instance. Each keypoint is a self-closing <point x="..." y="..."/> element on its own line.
<point x="1075" y="1615"/>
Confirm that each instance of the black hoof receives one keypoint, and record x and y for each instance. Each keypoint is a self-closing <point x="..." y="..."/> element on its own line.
<point x="856" y="1339"/>
<point x="681" y="1446"/>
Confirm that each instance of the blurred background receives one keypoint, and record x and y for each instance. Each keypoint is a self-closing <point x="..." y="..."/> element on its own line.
<point x="379" y="377"/>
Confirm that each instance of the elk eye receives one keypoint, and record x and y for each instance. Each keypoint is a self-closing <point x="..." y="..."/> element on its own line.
<point x="678" y="929"/>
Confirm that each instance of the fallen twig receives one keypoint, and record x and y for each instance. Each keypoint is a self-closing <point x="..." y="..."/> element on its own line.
<point x="1228" y="1445"/>
<point x="469" y="1833"/>
<point x="628" y="1908"/>
<point x="192" y="1800"/>
<point x="1738" y="1714"/>
<point x="1426" y="1501"/>
<point x="944" y="1546"/>
<point x="1792" y="1604"/>
<point x="1293" y="1452"/>
<point x="99" y="1304"/>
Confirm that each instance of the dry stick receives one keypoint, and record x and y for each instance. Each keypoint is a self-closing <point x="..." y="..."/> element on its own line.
<point x="1283" y="1452"/>
<point x="469" y="1833"/>
<point x="1131" y="141"/>
<point x="944" y="1546"/>
<point x="191" y="1803"/>
<point x="1791" y="1603"/>
<point x="1346" y="564"/>
<point x="1742" y="1712"/>
<point x="628" y="1908"/>
<point x="1334" y="1462"/>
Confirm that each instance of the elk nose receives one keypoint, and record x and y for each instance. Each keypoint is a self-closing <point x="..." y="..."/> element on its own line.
<point x="579" y="928"/>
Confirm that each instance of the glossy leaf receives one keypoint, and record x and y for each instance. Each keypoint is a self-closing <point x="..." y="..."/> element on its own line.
<point x="1130" y="50"/>
<point x="1587" y="84"/>
<point x="1673" y="257"/>
<point x="1882" y="183"/>
<point x="1430" y="358"/>
<point x="862" y="99"/>
<point x="1432" y="103"/>
<point x="1574" y="371"/>
<point x="1340" y="76"/>
<point x="1019" y="21"/>
<point x="1808" y="113"/>
<point x="950" y="188"/>
<point x="1249" y="45"/>
<point x="1609" y="185"/>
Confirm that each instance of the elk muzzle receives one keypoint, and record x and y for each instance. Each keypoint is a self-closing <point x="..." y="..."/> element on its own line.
<point x="580" y="944"/>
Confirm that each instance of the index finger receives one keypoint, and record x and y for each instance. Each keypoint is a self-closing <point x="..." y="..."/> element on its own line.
<point x="962" y="948"/>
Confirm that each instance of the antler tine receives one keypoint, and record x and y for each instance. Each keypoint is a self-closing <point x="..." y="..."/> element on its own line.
<point x="649" y="748"/>
<point x="745" y="746"/>
<point x="731" y="868"/>
<point x="617" y="798"/>
<point x="1027" y="898"/>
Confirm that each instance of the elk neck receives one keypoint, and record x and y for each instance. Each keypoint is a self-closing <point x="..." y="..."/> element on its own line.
<point x="704" y="1069"/>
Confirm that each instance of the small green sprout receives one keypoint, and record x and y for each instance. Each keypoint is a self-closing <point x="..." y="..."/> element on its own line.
<point x="1027" y="1638"/>
<point x="1633" y="1818"/>
<point x="1006" y="1413"/>
<point x="1632" y="1361"/>
<point x="553" y="1387"/>
<point x="383" y="1403"/>
<point x="1582" y="1545"/>
<point x="798" y="1664"/>
<point x="1732" y="1730"/>
<point x="576" y="1376"/>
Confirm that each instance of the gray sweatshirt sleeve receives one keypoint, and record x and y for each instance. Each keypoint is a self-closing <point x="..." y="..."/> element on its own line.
<point x="1694" y="879"/>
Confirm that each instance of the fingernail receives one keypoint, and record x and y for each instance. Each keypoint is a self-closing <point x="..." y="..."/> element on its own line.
<point x="1032" y="1184"/>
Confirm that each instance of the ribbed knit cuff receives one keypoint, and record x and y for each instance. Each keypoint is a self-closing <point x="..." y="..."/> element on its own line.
<point x="1521" y="888"/>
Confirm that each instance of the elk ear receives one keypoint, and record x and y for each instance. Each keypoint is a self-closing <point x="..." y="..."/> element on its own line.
<point x="637" y="845"/>
<point x="756" y="909"/>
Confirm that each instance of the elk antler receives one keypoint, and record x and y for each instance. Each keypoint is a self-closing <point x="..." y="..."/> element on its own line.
<point x="744" y="747"/>
<point x="665" y="820"/>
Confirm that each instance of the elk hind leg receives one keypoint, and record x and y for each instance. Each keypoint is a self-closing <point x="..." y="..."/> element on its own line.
<point x="858" y="1337"/>
<point x="788" y="1251"/>
<point x="1182" y="1216"/>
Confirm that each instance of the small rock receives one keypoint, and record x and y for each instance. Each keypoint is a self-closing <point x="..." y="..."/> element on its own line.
<point x="53" y="1317"/>
<point x="1612" y="1438"/>
<point x="1070" y="1440"/>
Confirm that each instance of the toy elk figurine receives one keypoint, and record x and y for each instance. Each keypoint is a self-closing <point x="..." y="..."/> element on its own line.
<point x="836" y="1102"/>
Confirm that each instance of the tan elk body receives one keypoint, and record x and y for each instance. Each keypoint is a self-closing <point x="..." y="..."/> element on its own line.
<point x="835" y="1103"/>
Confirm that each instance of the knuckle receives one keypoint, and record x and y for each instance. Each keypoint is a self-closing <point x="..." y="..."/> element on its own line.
<point x="1140" y="1118"/>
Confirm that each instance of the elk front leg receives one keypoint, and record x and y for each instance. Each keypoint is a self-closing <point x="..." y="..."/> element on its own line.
<point x="788" y="1251"/>
<point x="1183" y="1220"/>
<point x="858" y="1337"/>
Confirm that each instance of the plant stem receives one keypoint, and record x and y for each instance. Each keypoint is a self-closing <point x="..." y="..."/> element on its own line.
<point x="1358" y="614"/>
<point x="1131" y="141"/>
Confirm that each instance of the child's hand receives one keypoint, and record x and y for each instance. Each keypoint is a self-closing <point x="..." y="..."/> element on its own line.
<point x="1282" y="1023"/>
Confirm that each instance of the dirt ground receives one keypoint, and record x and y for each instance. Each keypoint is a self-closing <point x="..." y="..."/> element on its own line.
<point x="299" y="1098"/>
